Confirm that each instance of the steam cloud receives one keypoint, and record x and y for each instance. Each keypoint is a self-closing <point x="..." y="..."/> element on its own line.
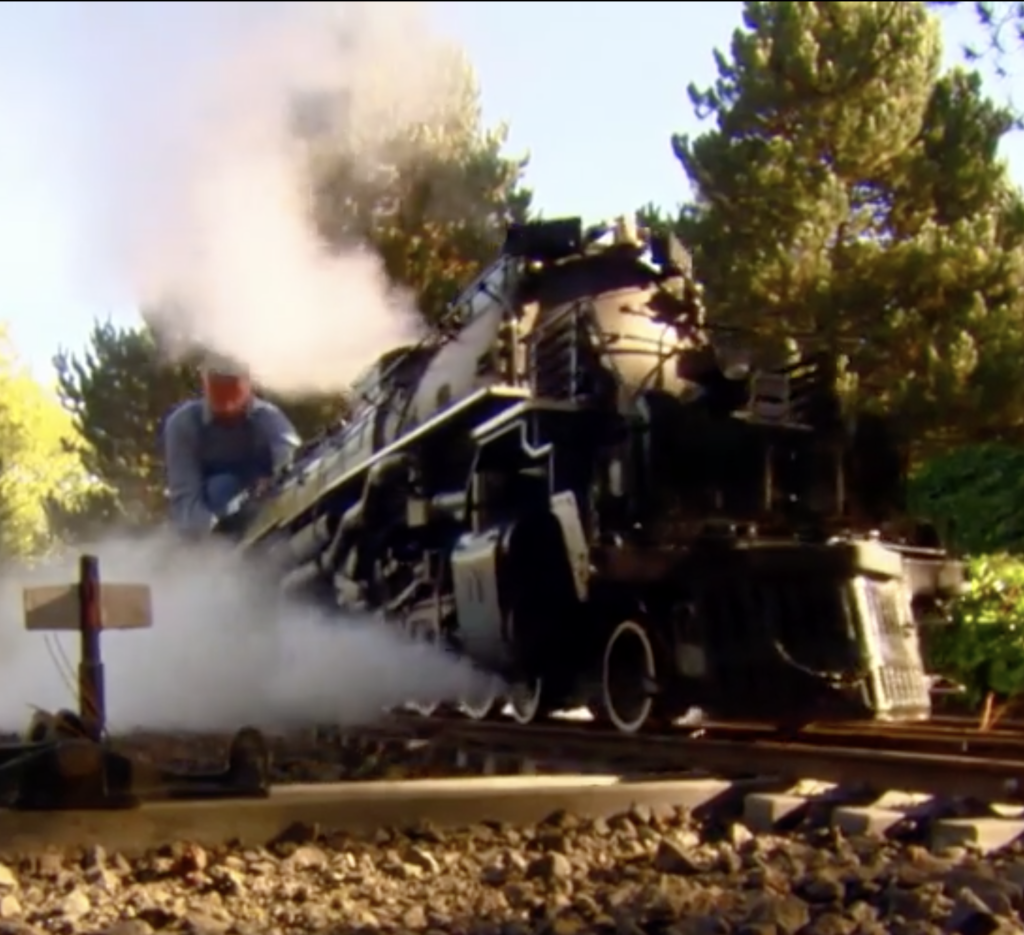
<point x="209" y="130"/>
<point x="221" y="652"/>
<point x="185" y="160"/>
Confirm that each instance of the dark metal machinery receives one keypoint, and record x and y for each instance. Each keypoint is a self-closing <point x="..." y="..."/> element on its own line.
<point x="577" y="485"/>
<point x="67" y="760"/>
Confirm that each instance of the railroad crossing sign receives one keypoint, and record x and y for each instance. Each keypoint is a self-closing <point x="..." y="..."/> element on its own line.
<point x="58" y="607"/>
<point x="89" y="608"/>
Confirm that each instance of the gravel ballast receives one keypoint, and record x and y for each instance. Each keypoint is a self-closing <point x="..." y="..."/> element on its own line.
<point x="648" y="872"/>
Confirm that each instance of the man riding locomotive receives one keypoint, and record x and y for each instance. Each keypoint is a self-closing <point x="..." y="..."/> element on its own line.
<point x="227" y="441"/>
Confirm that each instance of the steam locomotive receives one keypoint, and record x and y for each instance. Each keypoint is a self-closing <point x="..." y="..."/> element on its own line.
<point x="568" y="484"/>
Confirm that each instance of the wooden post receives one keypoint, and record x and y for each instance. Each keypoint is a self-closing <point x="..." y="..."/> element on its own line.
<point x="89" y="608"/>
<point x="92" y="706"/>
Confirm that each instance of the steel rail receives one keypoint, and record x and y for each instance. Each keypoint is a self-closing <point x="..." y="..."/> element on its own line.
<point x="922" y="737"/>
<point x="301" y="811"/>
<point x="990" y="779"/>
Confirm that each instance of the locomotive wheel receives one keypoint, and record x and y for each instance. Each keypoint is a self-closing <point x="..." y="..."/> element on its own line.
<point x="628" y="676"/>
<point x="528" y="701"/>
<point x="425" y="708"/>
<point x="484" y="704"/>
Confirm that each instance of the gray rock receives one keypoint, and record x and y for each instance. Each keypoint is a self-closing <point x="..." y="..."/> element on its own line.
<point x="129" y="927"/>
<point x="789" y="914"/>
<point x="969" y="918"/>
<point x="74" y="905"/>
<point x="549" y="867"/>
<point x="821" y="886"/>
<point x="673" y="858"/>
<point x="648" y="871"/>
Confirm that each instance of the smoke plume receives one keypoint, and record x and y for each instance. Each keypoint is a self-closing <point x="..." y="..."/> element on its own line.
<point x="209" y="117"/>
<point x="222" y="651"/>
<point x="186" y="128"/>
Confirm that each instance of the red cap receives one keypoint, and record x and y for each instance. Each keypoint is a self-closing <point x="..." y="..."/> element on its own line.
<point x="227" y="387"/>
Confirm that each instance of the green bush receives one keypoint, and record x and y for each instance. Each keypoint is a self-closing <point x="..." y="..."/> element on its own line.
<point x="983" y="647"/>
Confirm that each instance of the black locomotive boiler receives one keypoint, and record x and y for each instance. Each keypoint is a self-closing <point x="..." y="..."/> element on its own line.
<point x="566" y="484"/>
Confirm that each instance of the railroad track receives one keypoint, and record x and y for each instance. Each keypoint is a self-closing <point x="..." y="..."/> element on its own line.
<point x="950" y="758"/>
<point x="68" y="786"/>
<point x="937" y="759"/>
<point x="953" y="737"/>
<point x="743" y="769"/>
<point x="762" y="781"/>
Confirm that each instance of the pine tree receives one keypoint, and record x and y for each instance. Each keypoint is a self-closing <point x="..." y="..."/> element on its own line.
<point x="433" y="205"/>
<point x="433" y="201"/>
<point x="850" y="194"/>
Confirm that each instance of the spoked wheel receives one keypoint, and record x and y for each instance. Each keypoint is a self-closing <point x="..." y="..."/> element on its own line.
<point x="528" y="701"/>
<point x="484" y="703"/>
<point x="628" y="678"/>
<point x="528" y="698"/>
<point x="426" y="708"/>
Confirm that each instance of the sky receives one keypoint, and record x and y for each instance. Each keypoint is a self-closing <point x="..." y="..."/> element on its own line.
<point x="592" y="91"/>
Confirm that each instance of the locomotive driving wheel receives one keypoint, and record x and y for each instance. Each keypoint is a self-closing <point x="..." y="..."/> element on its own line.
<point x="485" y="702"/>
<point x="527" y="699"/>
<point x="629" y="673"/>
<point x="485" y="699"/>
<point x="432" y="637"/>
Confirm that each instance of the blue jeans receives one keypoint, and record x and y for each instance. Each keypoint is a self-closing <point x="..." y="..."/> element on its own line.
<point x="219" y="490"/>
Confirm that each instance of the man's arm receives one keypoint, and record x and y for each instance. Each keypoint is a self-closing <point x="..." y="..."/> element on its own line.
<point x="184" y="477"/>
<point x="279" y="433"/>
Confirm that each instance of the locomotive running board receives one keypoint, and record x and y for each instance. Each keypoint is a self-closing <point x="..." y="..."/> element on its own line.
<point x="314" y="491"/>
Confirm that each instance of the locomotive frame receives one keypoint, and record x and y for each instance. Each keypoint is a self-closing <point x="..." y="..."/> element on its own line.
<point x="567" y="486"/>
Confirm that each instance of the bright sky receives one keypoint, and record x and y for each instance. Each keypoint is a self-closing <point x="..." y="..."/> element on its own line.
<point x="592" y="90"/>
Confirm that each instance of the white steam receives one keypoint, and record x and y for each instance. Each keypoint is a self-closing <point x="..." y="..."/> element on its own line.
<point x="177" y="133"/>
<point x="220" y="653"/>
<point x="211" y="114"/>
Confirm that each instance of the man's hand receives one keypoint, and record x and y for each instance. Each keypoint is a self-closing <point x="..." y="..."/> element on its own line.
<point x="261" y="486"/>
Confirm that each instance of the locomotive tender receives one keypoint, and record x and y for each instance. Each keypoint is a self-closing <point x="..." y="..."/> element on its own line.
<point x="566" y="485"/>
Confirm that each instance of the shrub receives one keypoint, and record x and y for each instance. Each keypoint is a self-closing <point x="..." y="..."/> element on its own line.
<point x="983" y="647"/>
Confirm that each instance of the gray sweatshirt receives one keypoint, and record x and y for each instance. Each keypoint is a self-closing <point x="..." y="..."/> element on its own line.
<point x="198" y="447"/>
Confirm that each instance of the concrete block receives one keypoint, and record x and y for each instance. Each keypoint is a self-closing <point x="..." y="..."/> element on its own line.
<point x="899" y="801"/>
<point x="766" y="811"/>
<point x="984" y="834"/>
<point x="867" y="820"/>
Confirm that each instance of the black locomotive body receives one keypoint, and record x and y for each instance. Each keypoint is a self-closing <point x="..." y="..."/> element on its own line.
<point x="567" y="486"/>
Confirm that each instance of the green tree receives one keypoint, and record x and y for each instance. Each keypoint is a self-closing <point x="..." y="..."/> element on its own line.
<point x="118" y="392"/>
<point x="852" y="195"/>
<point x="974" y="495"/>
<point x="35" y="467"/>
<point x="433" y="200"/>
